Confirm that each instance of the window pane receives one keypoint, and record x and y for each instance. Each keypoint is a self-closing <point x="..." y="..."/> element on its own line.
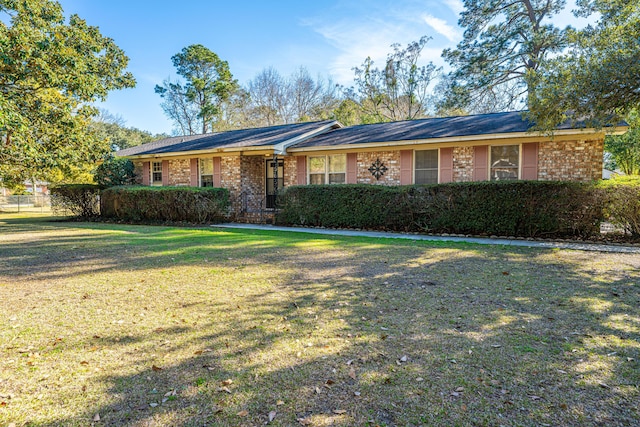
<point x="317" y="165"/>
<point x="337" y="178"/>
<point x="206" y="180"/>
<point x="504" y="162"/>
<point x="206" y="166"/>
<point x="316" y="178"/>
<point x="427" y="176"/>
<point x="427" y="159"/>
<point x="338" y="163"/>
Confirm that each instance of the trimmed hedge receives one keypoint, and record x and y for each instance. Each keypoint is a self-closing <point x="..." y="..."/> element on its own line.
<point x="622" y="203"/>
<point x="516" y="208"/>
<point x="191" y="204"/>
<point x="81" y="200"/>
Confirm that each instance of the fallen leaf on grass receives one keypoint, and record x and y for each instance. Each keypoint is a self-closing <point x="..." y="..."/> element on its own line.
<point x="156" y="368"/>
<point x="227" y="382"/>
<point x="404" y="358"/>
<point x="339" y="411"/>
<point x="243" y="413"/>
<point x="272" y="415"/>
<point x="280" y="402"/>
<point x="304" y="421"/>
<point x="96" y="417"/>
<point x="84" y="363"/>
<point x="153" y="404"/>
<point x="603" y="385"/>
<point x="352" y="373"/>
<point x="225" y="389"/>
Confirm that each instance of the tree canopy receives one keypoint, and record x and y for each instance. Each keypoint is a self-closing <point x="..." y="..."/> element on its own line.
<point x="504" y="41"/>
<point x="51" y="70"/>
<point x="598" y="78"/>
<point x="624" y="150"/>
<point x="198" y="103"/>
<point x="399" y="91"/>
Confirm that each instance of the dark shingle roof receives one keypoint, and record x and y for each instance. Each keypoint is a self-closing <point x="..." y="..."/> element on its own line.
<point x="255" y="137"/>
<point x="443" y="127"/>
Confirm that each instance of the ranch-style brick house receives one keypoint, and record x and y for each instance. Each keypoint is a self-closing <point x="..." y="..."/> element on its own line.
<point x="254" y="163"/>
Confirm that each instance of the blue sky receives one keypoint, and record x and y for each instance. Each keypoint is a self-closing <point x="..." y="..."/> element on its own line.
<point x="328" y="37"/>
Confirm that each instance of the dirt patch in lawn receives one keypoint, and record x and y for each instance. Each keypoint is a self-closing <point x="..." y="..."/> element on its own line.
<point x="149" y="326"/>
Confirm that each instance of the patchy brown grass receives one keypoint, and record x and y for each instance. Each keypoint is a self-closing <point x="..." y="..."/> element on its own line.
<point x="155" y="326"/>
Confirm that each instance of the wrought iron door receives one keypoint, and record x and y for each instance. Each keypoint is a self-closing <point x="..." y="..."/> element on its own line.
<point x="274" y="181"/>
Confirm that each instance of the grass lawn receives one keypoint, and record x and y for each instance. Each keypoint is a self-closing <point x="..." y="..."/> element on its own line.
<point x="104" y="324"/>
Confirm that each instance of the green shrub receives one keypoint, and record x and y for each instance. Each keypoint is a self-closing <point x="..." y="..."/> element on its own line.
<point x="520" y="208"/>
<point x="622" y="203"/>
<point x="141" y="203"/>
<point x="82" y="200"/>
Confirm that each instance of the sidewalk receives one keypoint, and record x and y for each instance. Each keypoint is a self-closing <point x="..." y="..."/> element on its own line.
<point x="596" y="247"/>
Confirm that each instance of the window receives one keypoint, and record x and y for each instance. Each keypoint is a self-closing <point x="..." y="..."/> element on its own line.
<point x="505" y="162"/>
<point x="156" y="173"/>
<point x="426" y="169"/>
<point x="328" y="169"/>
<point x="206" y="172"/>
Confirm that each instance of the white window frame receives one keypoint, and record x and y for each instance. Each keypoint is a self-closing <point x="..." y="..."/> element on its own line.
<point x="152" y="171"/>
<point x="490" y="161"/>
<point x="437" y="150"/>
<point x="326" y="169"/>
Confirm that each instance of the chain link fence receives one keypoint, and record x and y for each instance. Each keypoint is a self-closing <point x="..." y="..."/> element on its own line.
<point x="26" y="203"/>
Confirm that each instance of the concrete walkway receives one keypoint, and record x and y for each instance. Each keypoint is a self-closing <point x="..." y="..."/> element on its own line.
<point x="596" y="247"/>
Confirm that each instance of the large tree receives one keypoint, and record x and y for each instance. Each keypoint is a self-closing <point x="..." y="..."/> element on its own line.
<point x="209" y="84"/>
<point x="276" y="99"/>
<point x="51" y="70"/>
<point x="399" y="91"/>
<point x="624" y="150"/>
<point x="504" y="41"/>
<point x="598" y="78"/>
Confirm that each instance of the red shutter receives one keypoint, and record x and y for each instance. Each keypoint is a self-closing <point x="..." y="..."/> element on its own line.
<point x="146" y="173"/>
<point x="301" y="170"/>
<point x="194" y="172"/>
<point x="530" y="161"/>
<point x="217" y="172"/>
<point x="406" y="167"/>
<point x="352" y="168"/>
<point x="165" y="172"/>
<point x="480" y="163"/>
<point x="446" y="165"/>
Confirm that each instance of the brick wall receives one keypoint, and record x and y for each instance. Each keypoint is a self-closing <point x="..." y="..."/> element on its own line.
<point x="462" y="164"/>
<point x="570" y="160"/>
<point x="179" y="172"/>
<point x="290" y="171"/>
<point x="252" y="181"/>
<point x="391" y="159"/>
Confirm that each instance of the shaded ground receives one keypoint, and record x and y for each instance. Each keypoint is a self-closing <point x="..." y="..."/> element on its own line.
<point x="152" y="326"/>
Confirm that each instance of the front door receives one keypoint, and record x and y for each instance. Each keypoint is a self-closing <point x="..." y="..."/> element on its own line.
<point x="273" y="179"/>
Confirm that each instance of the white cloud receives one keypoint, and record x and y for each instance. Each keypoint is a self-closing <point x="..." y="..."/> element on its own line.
<point x="456" y="6"/>
<point x="442" y="27"/>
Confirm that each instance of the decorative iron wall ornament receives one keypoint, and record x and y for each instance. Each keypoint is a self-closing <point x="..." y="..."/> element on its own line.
<point x="377" y="169"/>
